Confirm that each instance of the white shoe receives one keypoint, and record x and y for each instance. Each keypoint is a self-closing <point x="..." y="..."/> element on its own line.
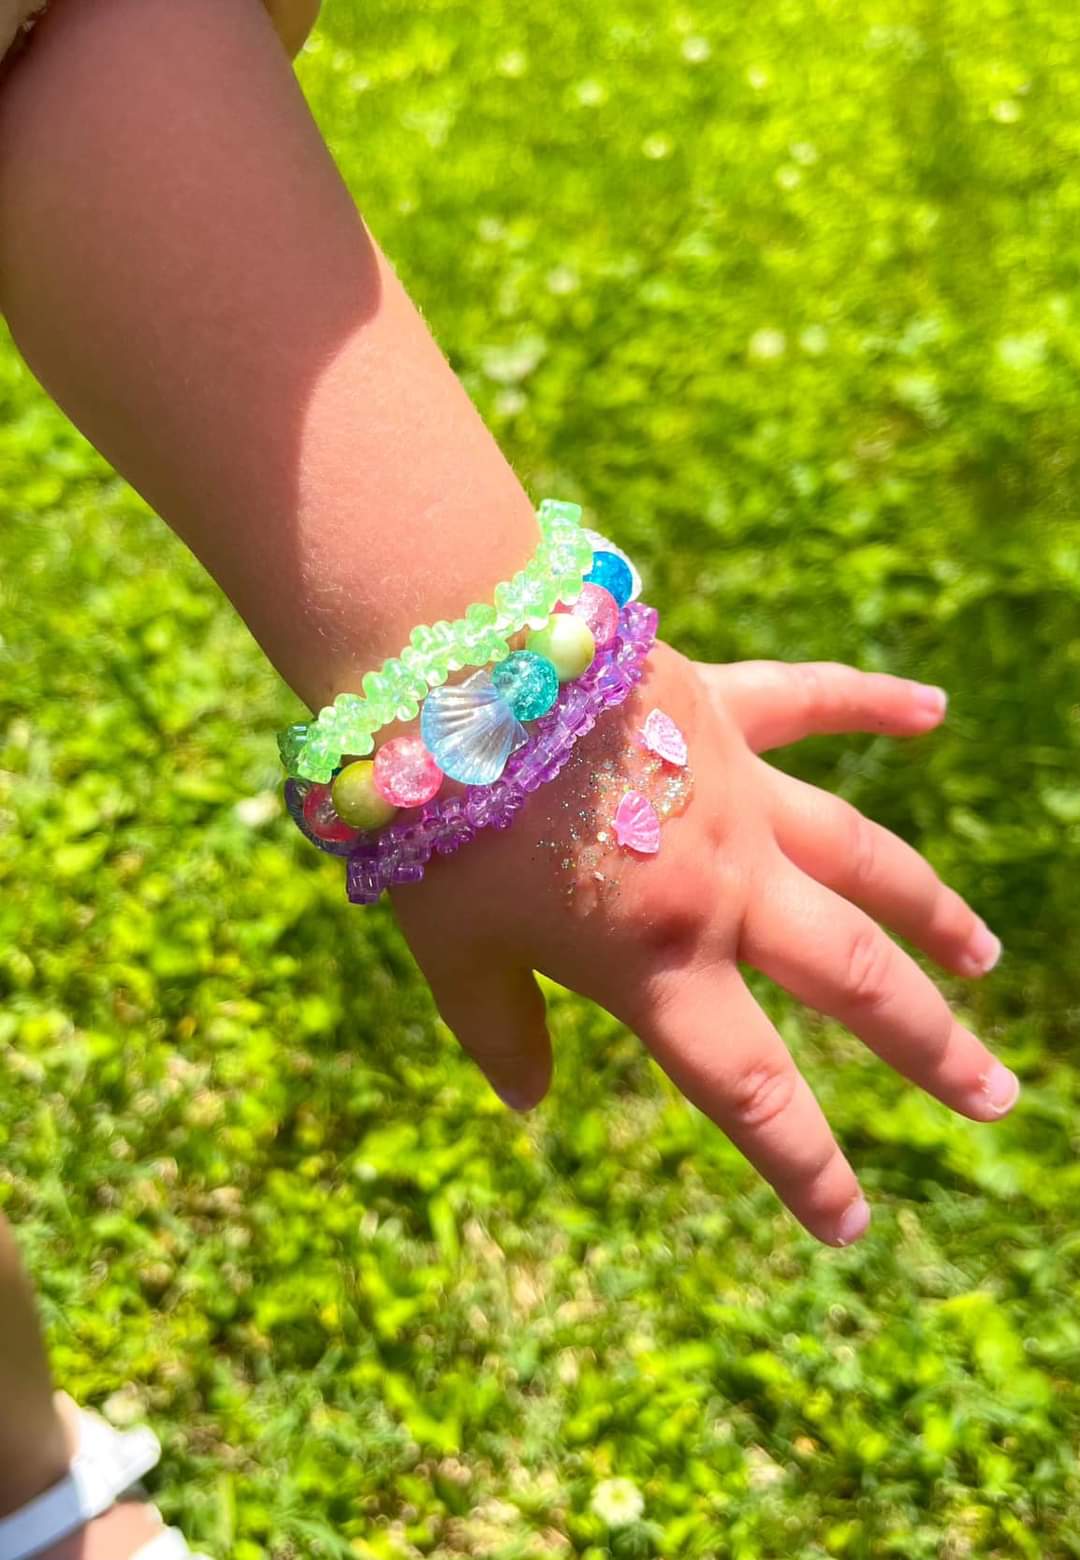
<point x="107" y="1463"/>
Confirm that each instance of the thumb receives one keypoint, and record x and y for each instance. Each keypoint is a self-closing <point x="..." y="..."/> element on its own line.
<point x="499" y="1017"/>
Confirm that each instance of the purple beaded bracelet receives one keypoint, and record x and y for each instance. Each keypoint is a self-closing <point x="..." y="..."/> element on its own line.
<point x="401" y="851"/>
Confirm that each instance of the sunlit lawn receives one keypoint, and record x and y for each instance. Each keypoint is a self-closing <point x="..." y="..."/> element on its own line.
<point x="787" y="296"/>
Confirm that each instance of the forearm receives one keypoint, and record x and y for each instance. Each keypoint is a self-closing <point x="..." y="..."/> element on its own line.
<point x="185" y="271"/>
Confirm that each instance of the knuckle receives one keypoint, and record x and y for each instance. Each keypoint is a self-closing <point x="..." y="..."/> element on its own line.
<point x="762" y="1094"/>
<point x="825" y="688"/>
<point x="862" y="849"/>
<point x="869" y="967"/>
<point x="810" y="682"/>
<point x="938" y="1038"/>
<point x="492" y="1049"/>
<point x="675" y="920"/>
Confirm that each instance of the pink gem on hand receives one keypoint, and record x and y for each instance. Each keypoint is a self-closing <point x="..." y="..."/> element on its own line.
<point x="662" y="737"/>
<point x="637" y="824"/>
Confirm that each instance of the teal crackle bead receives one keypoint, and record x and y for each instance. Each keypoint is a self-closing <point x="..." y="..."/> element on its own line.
<point x="613" y="573"/>
<point x="528" y="682"/>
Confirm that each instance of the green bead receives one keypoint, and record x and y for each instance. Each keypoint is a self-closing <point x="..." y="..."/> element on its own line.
<point x="404" y="690"/>
<point x="567" y="642"/>
<point x="355" y="799"/>
<point x="357" y="743"/>
<point x="422" y="639"/>
<point x="291" y="744"/>
<point x="496" y="649"/>
<point x="447" y="653"/>
<point x="395" y="691"/>
<point x="319" y="757"/>
<point x="416" y="661"/>
<point x="480" y="615"/>
<point x="508" y="599"/>
<point x="555" y="511"/>
<point x="374" y="686"/>
<point x="536" y="605"/>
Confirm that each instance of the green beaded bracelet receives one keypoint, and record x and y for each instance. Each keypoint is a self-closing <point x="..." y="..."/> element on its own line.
<point x="396" y="691"/>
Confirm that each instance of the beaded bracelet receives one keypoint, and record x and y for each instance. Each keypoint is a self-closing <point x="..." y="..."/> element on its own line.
<point x="400" y="853"/>
<point x="579" y="659"/>
<point x="395" y="692"/>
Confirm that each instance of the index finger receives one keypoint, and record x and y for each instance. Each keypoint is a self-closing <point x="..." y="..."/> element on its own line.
<point x="777" y="702"/>
<point x="715" y="1043"/>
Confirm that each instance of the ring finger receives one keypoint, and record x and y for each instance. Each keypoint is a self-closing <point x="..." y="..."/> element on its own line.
<point x="833" y="842"/>
<point x="832" y="956"/>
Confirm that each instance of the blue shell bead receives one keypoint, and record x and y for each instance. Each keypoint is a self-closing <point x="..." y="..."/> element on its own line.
<point x="470" y="730"/>
<point x="528" y="682"/>
<point x="613" y="573"/>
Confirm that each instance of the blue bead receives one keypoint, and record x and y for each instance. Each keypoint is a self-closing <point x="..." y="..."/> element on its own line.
<point x="528" y="682"/>
<point x="613" y="573"/>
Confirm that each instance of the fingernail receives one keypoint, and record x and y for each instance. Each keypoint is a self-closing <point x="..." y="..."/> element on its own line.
<point x="514" y="1095"/>
<point x="982" y="952"/>
<point x="933" y="700"/>
<point x="853" y="1222"/>
<point x="997" y="1092"/>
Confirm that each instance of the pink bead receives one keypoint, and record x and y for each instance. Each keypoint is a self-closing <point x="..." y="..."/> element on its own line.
<point x="637" y="823"/>
<point x="405" y="772"/>
<point x="662" y="737"/>
<point x="320" y="817"/>
<point x="598" y="608"/>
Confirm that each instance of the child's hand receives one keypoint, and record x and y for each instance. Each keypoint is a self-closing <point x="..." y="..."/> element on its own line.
<point x="760" y="868"/>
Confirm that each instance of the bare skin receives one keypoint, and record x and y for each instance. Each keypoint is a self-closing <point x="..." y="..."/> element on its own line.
<point x="344" y="488"/>
<point x="760" y="869"/>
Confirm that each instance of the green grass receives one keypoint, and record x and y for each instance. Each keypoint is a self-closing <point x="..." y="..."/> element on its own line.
<point x="787" y="295"/>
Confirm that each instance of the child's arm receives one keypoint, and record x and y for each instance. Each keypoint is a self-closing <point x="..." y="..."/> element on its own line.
<point x="186" y="273"/>
<point x="184" y="269"/>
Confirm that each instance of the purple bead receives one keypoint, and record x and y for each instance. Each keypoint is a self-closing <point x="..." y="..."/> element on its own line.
<point x="529" y="770"/>
<point x="363" y="880"/>
<point x="450" y="829"/>
<point x="577" y="709"/>
<point x="411" y="853"/>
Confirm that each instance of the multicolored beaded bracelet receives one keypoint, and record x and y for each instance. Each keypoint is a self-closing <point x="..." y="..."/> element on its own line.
<point x="468" y="730"/>
<point x="400" y="853"/>
<point x="564" y="556"/>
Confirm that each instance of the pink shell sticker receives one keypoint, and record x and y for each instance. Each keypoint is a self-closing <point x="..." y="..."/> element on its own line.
<point x="662" y="737"/>
<point x="637" y="824"/>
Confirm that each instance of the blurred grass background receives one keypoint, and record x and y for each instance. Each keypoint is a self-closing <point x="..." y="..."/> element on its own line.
<point x="787" y="296"/>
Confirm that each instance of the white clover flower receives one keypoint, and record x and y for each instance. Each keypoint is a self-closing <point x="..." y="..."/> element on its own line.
<point x="618" y="1502"/>
<point x="767" y="344"/>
